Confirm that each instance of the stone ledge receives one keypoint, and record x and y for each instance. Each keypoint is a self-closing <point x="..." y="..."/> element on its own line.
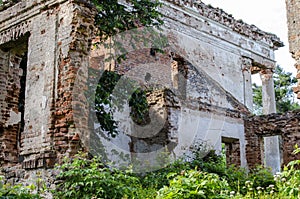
<point x="8" y="3"/>
<point x="218" y="15"/>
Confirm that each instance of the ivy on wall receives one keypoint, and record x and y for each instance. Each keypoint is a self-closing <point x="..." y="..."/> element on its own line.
<point x="112" y="93"/>
<point x="114" y="17"/>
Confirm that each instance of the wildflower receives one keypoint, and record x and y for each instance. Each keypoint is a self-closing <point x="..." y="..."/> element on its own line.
<point x="232" y="193"/>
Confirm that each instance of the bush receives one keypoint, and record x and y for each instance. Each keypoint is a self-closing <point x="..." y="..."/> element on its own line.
<point x="288" y="182"/>
<point x="195" y="184"/>
<point x="202" y="177"/>
<point x="82" y="178"/>
<point x="261" y="177"/>
<point x="8" y="191"/>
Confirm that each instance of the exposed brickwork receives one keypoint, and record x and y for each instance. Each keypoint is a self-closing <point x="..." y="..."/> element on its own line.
<point x="293" y="20"/>
<point x="73" y="69"/>
<point x="286" y="125"/>
<point x="52" y="70"/>
<point x="199" y="82"/>
<point x="10" y="79"/>
<point x="233" y="152"/>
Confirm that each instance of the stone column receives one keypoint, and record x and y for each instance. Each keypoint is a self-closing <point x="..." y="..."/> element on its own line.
<point x="271" y="144"/>
<point x="247" y="83"/>
<point x="268" y="93"/>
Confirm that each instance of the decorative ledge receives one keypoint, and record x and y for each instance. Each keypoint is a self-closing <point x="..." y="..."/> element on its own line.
<point x="218" y="15"/>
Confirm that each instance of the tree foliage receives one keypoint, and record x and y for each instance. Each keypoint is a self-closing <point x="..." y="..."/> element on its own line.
<point x="112" y="93"/>
<point x="114" y="17"/>
<point x="283" y="82"/>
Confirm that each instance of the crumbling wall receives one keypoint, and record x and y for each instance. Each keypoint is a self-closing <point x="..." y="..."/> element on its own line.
<point x="70" y="123"/>
<point x="203" y="109"/>
<point x="204" y="66"/>
<point x="10" y="115"/>
<point x="57" y="35"/>
<point x="213" y="61"/>
<point x="293" y="20"/>
<point x="57" y="47"/>
<point x="286" y="125"/>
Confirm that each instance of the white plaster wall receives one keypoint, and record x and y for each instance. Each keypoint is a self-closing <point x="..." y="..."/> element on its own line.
<point x="208" y="128"/>
<point x="216" y="49"/>
<point x="222" y="65"/>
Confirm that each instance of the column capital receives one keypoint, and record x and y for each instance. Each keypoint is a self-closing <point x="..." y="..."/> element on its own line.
<point x="266" y="74"/>
<point x="246" y="63"/>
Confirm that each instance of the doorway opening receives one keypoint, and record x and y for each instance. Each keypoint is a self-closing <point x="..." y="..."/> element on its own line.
<point x="13" y="71"/>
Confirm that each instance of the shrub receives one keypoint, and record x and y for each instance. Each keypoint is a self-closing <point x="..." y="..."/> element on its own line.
<point x="19" y="191"/>
<point x="195" y="184"/>
<point x="89" y="178"/>
<point x="261" y="177"/>
<point x="288" y="182"/>
<point x="83" y="178"/>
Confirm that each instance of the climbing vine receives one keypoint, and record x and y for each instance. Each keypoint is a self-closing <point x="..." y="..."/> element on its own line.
<point x="114" y="17"/>
<point x="139" y="107"/>
<point x="112" y="93"/>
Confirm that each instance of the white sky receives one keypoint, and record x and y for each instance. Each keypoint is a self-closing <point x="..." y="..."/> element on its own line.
<point x="268" y="15"/>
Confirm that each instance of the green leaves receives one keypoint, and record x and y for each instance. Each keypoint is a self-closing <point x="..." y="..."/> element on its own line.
<point x="18" y="191"/>
<point x="114" y="17"/>
<point x="127" y="25"/>
<point x="83" y="178"/>
<point x="112" y="92"/>
<point x="195" y="184"/>
<point x="283" y="82"/>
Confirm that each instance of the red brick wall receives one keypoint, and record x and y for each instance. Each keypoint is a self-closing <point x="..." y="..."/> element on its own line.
<point x="9" y="102"/>
<point x="287" y="125"/>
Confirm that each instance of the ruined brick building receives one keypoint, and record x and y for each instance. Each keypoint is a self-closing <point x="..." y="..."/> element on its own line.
<point x="293" y="29"/>
<point x="45" y="55"/>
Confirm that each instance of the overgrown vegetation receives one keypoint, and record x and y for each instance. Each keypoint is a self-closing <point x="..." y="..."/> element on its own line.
<point x="87" y="178"/>
<point x="8" y="191"/>
<point x="114" y="17"/>
<point x="132" y="21"/>
<point x="112" y="93"/>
